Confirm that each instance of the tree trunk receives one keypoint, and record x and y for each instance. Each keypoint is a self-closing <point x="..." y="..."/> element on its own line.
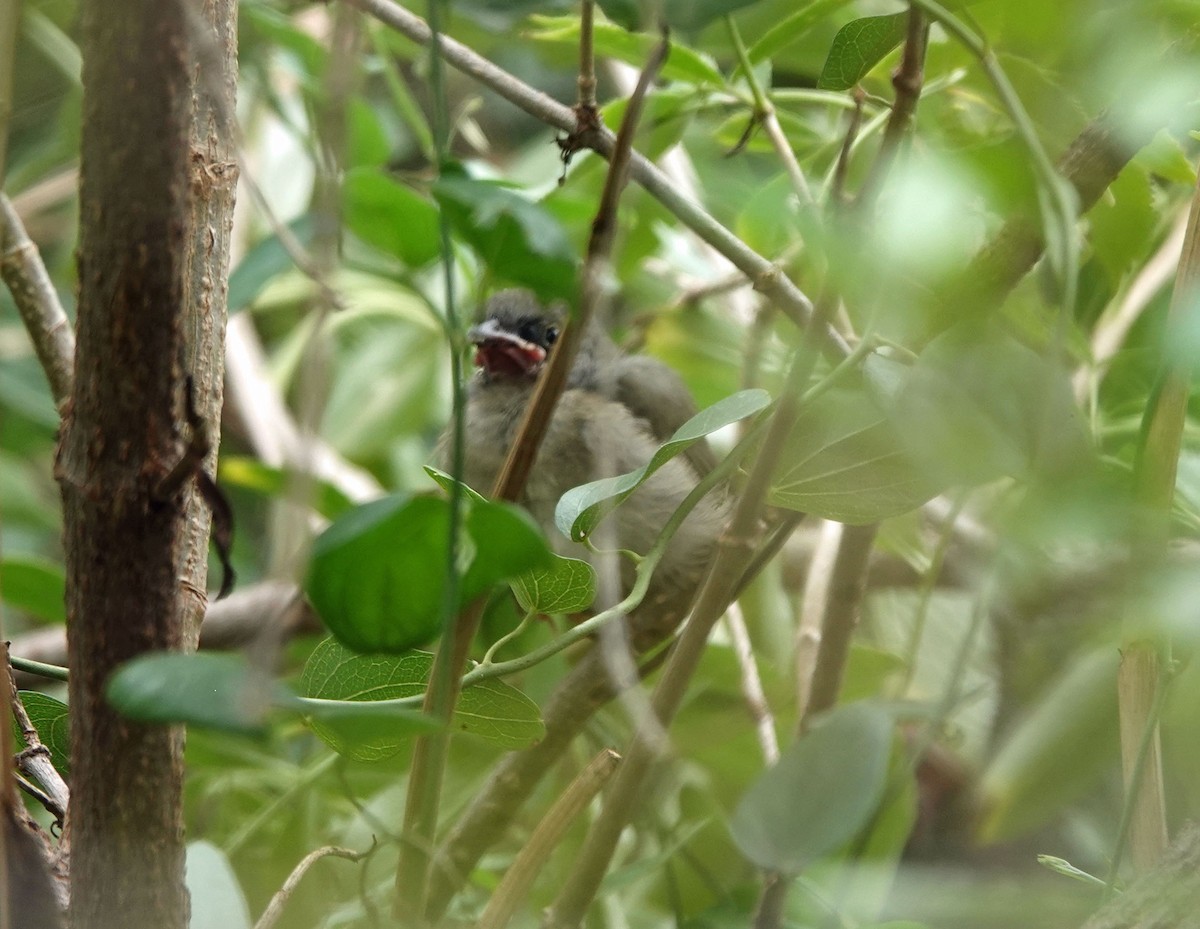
<point x="151" y="310"/>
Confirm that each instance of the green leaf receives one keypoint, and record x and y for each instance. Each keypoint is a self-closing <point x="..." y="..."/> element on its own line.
<point x="822" y="791"/>
<point x="391" y="216"/>
<point x="446" y="482"/>
<point x="378" y="574"/>
<point x="204" y="689"/>
<point x="35" y="586"/>
<point x="1065" y="868"/>
<point x="844" y="461"/>
<point x="567" y="586"/>
<point x="266" y="261"/>
<point x="792" y="28"/>
<point x="694" y="15"/>
<point x="1027" y="783"/>
<point x="682" y="64"/>
<point x="366" y="140"/>
<point x="581" y="508"/>
<point x="51" y="719"/>
<point x="491" y="710"/>
<point x="979" y="405"/>
<point x="217" y="898"/>
<point x="858" y="47"/>
<point x="251" y="474"/>
<point x="518" y="239"/>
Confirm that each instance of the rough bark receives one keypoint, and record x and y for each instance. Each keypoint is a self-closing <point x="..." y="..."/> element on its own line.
<point x="1165" y="898"/>
<point x="125" y="540"/>
<point x="212" y="175"/>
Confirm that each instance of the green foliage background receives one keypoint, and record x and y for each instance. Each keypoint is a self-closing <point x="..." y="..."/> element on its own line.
<point x="1004" y="634"/>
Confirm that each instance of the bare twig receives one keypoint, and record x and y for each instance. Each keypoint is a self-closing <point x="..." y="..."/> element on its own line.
<point x="274" y="909"/>
<point x="545" y="838"/>
<point x="34" y="760"/>
<point x="752" y="688"/>
<point x="37" y="302"/>
<point x="587" y="59"/>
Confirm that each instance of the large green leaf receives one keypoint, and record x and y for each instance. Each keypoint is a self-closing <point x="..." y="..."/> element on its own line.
<point x="216" y="691"/>
<point x="567" y="586"/>
<point x="35" y="586"/>
<point x="820" y="793"/>
<point x="845" y="461"/>
<point x="51" y="719"/>
<point x="858" y="47"/>
<point x="1056" y="752"/>
<point x="979" y="405"/>
<point x="378" y="574"/>
<point x="217" y="898"/>
<point x="391" y="216"/>
<point x="791" y="28"/>
<point x="694" y="15"/>
<point x="518" y="239"/>
<point x="581" y="508"/>
<point x="491" y="710"/>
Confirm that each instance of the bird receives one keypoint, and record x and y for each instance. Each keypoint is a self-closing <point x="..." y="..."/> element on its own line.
<point x="615" y="411"/>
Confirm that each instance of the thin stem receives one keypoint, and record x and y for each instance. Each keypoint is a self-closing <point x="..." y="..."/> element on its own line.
<point x="764" y="112"/>
<point x="274" y="909"/>
<point x="53" y="672"/>
<point x="545" y="838"/>
<point x="587" y="57"/>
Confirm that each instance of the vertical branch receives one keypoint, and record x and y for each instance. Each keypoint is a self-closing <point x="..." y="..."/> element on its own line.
<point x="907" y="81"/>
<point x="121" y="435"/>
<point x="1138" y="679"/>
<point x="213" y="176"/>
<point x="586" y="103"/>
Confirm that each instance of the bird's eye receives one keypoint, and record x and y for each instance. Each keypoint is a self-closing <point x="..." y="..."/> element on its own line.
<point x="551" y="334"/>
<point x="528" y="332"/>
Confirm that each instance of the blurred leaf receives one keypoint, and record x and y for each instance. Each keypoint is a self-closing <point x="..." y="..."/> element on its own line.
<point x="266" y="261"/>
<point x="366" y="142"/>
<point x="378" y="574"/>
<point x="858" y="47"/>
<point x="612" y="41"/>
<point x="51" y="719"/>
<point x="491" y="710"/>
<point x="391" y="216"/>
<point x="1164" y="157"/>
<point x="1029" y="780"/>
<point x="822" y="791"/>
<point x="581" y="508"/>
<point x="1123" y="223"/>
<point x="251" y="474"/>
<point x="567" y="586"/>
<point x="59" y="48"/>
<point x="792" y="27"/>
<point x="767" y="223"/>
<point x="844" y="461"/>
<point x="518" y="239"/>
<point x="694" y="15"/>
<point x="203" y="689"/>
<point x="216" y="895"/>
<point x="979" y="405"/>
<point x="35" y="586"/>
<point x="447" y="483"/>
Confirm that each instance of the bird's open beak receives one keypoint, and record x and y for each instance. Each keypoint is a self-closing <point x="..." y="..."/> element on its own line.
<point x="503" y="353"/>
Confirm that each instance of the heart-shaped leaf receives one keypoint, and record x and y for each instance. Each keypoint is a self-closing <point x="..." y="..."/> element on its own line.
<point x="51" y="719"/>
<point x="858" y="47"/>
<point x="567" y="586"/>
<point x="363" y="729"/>
<point x="378" y="574"/>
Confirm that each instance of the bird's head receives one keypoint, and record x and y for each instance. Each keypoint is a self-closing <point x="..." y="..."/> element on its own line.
<point x="514" y="338"/>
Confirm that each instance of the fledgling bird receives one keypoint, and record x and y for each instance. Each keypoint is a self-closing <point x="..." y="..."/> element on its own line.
<point x="616" y="410"/>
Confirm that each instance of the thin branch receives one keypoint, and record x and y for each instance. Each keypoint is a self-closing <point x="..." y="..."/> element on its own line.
<point x="546" y="837"/>
<point x="752" y="688"/>
<point x="586" y="102"/>
<point x="765" y="276"/>
<point x="907" y="81"/>
<point x="274" y="909"/>
<point x="37" y="302"/>
<point x="34" y="760"/>
<point x="764" y="112"/>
